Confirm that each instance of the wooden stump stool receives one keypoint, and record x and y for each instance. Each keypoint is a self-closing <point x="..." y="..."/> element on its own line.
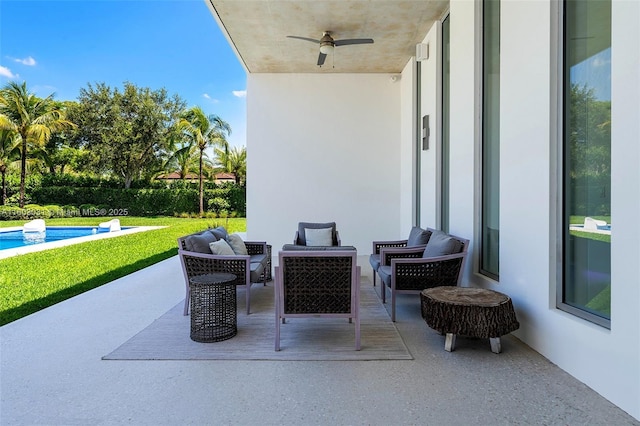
<point x="473" y="312"/>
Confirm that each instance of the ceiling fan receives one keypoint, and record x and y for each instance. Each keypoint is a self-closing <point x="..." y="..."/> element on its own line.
<point x="327" y="44"/>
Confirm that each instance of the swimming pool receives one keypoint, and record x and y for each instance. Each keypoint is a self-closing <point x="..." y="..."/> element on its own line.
<point x="13" y="242"/>
<point x="601" y="229"/>
<point x="17" y="238"/>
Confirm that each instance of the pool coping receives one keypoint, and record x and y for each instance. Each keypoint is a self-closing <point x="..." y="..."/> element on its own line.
<point x="70" y="241"/>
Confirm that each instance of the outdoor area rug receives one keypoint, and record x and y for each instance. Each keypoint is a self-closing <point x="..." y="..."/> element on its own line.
<point x="301" y="339"/>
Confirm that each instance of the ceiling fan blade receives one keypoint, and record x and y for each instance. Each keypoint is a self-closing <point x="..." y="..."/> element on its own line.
<point x="353" y="41"/>
<point x="321" y="58"/>
<point x="305" y="38"/>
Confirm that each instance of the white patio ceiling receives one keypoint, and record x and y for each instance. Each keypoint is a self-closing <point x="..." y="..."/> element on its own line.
<point x="258" y="31"/>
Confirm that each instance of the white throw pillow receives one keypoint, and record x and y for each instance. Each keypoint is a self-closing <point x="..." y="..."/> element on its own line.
<point x="237" y="245"/>
<point x="221" y="247"/>
<point x="318" y="237"/>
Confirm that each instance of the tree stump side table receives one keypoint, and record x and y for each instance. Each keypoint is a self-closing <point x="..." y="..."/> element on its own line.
<point x="473" y="312"/>
<point x="213" y="307"/>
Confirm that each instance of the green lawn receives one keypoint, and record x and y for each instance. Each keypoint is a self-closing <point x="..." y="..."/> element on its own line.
<point x="34" y="281"/>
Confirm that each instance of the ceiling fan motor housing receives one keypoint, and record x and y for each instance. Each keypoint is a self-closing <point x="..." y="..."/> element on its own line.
<point x="326" y="44"/>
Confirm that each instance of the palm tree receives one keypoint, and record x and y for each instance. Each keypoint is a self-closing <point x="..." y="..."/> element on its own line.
<point x="203" y="131"/>
<point x="238" y="163"/>
<point x="183" y="161"/>
<point x="32" y="118"/>
<point x="233" y="161"/>
<point x="9" y="152"/>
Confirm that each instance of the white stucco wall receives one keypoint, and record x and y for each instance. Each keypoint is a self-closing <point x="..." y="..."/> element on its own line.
<point x="606" y="360"/>
<point x="337" y="147"/>
<point x="323" y="147"/>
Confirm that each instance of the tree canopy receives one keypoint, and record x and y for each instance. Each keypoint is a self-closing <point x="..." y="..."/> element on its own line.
<point x="128" y="132"/>
<point x="32" y="119"/>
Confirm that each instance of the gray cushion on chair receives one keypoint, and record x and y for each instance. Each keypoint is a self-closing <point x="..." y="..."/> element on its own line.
<point x="418" y="237"/>
<point x="258" y="258"/>
<point x="220" y="232"/>
<point x="222" y="248"/>
<point x="374" y="260"/>
<point x="200" y="242"/>
<point x="384" y="271"/>
<point x="302" y="225"/>
<point x="237" y="245"/>
<point x="441" y="244"/>
<point x="319" y="236"/>
<point x="256" y="268"/>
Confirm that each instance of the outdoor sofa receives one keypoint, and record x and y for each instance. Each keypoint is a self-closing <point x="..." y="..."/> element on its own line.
<point x="249" y="261"/>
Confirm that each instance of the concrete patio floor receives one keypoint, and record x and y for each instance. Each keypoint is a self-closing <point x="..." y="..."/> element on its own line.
<point x="52" y="374"/>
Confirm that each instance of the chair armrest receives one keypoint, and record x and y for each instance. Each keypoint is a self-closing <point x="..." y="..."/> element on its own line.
<point x="256" y="247"/>
<point x="194" y="263"/>
<point x="338" y="238"/>
<point x="377" y="245"/>
<point x="389" y="253"/>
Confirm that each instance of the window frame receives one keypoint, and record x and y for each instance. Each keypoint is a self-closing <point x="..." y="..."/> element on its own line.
<point x="558" y="181"/>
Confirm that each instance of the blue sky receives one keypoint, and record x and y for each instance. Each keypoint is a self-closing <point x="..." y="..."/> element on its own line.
<point x="61" y="46"/>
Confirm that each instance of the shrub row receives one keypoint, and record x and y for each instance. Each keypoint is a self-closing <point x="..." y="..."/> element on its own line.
<point x="114" y="182"/>
<point x="143" y="202"/>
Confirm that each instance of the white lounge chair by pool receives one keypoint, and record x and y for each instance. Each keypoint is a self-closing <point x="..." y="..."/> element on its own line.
<point x="110" y="226"/>
<point x="36" y="225"/>
<point x="592" y="224"/>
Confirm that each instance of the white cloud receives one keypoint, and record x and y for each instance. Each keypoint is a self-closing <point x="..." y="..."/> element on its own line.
<point x="209" y="98"/>
<point x="6" y="72"/>
<point x="240" y="93"/>
<point x="26" y="61"/>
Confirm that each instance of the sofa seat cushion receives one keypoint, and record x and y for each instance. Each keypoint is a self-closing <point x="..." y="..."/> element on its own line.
<point x="199" y="242"/>
<point x="384" y="271"/>
<point x="258" y="258"/>
<point x="256" y="269"/>
<point x="441" y="244"/>
<point x="374" y="261"/>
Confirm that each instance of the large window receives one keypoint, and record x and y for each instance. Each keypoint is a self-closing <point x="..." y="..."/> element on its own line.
<point x="586" y="187"/>
<point x="444" y="157"/>
<point x="489" y="254"/>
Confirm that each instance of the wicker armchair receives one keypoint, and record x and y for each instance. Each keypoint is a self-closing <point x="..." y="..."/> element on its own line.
<point x="317" y="284"/>
<point x="248" y="269"/>
<point x="413" y="269"/>
<point x="418" y="237"/>
<point x="300" y="237"/>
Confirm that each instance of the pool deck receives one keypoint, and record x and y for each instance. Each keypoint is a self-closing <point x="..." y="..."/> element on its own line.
<point x="52" y="373"/>
<point x="70" y="241"/>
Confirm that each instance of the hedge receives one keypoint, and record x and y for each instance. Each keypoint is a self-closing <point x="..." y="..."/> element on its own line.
<point x="142" y="202"/>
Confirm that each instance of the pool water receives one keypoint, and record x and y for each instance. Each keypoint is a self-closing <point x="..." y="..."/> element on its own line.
<point x="16" y="238"/>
